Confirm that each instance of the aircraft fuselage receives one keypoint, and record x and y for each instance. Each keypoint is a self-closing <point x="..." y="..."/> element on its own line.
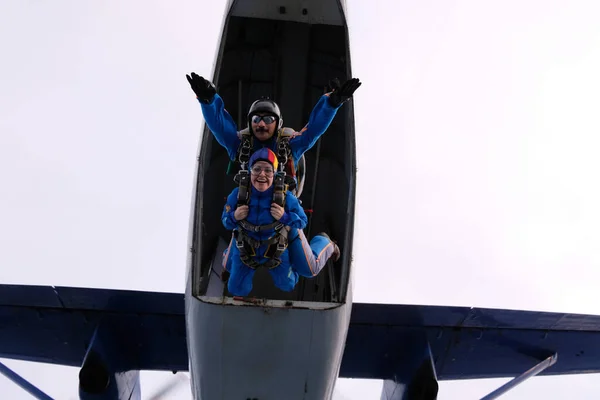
<point x="274" y="344"/>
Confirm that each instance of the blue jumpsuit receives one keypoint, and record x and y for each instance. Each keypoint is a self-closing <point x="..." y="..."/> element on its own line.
<point x="221" y="124"/>
<point x="309" y="258"/>
<point x="306" y="260"/>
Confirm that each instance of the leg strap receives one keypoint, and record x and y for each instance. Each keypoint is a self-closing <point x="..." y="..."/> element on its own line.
<point x="247" y="245"/>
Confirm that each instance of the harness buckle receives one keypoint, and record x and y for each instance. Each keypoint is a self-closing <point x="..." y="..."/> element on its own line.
<point x="245" y="149"/>
<point x="239" y="242"/>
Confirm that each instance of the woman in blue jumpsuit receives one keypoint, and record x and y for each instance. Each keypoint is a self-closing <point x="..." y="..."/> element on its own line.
<point x="262" y="211"/>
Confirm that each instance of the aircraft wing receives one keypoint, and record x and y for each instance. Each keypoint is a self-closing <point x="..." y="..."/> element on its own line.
<point x="469" y="343"/>
<point x="55" y="325"/>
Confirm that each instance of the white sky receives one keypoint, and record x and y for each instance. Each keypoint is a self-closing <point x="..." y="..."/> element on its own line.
<point x="477" y="137"/>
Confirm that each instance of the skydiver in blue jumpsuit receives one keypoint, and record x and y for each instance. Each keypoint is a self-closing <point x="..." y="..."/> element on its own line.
<point x="225" y="130"/>
<point x="258" y="247"/>
<point x="265" y="123"/>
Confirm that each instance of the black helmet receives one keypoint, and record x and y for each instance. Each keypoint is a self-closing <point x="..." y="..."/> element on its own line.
<point x="265" y="106"/>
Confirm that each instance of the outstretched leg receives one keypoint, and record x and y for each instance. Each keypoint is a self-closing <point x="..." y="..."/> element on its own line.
<point x="309" y="259"/>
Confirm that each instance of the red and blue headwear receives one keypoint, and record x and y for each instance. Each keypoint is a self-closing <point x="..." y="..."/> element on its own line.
<point x="264" y="154"/>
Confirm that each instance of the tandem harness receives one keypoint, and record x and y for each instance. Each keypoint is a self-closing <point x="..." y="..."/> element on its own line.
<point x="293" y="180"/>
<point x="278" y="242"/>
<point x="247" y="245"/>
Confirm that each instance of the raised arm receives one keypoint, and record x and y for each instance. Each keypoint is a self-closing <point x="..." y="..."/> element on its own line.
<point x="221" y="124"/>
<point x="318" y="122"/>
<point x="218" y="120"/>
<point x="322" y="115"/>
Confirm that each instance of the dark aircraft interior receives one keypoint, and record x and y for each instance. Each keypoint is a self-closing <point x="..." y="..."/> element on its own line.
<point x="290" y="63"/>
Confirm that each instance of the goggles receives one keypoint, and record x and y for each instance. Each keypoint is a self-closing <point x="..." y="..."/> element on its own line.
<point x="269" y="119"/>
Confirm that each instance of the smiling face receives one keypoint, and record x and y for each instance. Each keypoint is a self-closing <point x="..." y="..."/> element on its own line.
<point x="261" y="175"/>
<point x="263" y="128"/>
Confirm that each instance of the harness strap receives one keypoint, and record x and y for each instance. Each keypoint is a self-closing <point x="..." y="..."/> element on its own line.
<point x="279" y="188"/>
<point x="247" y="245"/>
<point x="243" y="180"/>
<point x="281" y="182"/>
<point x="245" y="147"/>
<point x="283" y="152"/>
<point x="274" y="252"/>
<point x="247" y="226"/>
<point x="255" y="243"/>
<point x="284" y="156"/>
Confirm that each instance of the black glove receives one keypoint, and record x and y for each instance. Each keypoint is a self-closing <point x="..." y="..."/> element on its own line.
<point x="205" y="90"/>
<point x="342" y="93"/>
